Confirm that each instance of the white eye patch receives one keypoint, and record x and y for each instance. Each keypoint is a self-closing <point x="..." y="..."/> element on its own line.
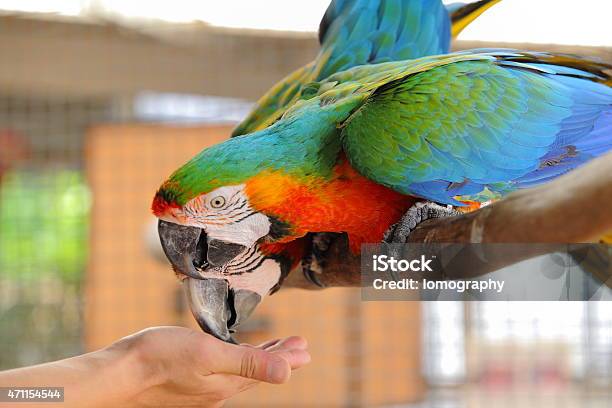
<point x="229" y="217"/>
<point x="245" y="232"/>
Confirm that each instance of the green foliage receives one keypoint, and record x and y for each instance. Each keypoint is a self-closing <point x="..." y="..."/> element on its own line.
<point x="44" y="225"/>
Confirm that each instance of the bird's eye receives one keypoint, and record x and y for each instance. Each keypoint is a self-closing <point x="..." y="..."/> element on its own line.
<point x="217" y="202"/>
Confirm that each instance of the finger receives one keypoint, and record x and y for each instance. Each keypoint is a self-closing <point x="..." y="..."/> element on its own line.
<point x="248" y="362"/>
<point x="269" y="343"/>
<point x="233" y="384"/>
<point x="239" y="384"/>
<point x="296" y="358"/>
<point x="289" y="343"/>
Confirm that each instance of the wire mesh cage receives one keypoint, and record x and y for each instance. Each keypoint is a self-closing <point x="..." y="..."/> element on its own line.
<point x="44" y="210"/>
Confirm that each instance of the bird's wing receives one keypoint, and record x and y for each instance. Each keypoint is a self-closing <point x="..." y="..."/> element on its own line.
<point x="470" y="125"/>
<point x="274" y="102"/>
<point x="358" y="32"/>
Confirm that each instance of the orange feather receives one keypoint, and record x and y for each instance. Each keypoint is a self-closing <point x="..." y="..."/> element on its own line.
<point x="345" y="202"/>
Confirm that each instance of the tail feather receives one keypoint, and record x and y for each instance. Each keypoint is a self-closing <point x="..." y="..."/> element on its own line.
<point x="463" y="14"/>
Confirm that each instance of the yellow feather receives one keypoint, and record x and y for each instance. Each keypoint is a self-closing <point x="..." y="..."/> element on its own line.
<point x="463" y="16"/>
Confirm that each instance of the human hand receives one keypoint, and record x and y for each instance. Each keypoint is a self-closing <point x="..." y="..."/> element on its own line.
<point x="183" y="367"/>
<point x="162" y="367"/>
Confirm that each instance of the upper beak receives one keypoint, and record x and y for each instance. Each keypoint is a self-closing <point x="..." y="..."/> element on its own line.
<point x="215" y="305"/>
<point x="180" y="244"/>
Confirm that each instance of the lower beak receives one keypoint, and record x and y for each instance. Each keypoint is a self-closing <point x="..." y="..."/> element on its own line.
<point x="217" y="308"/>
<point x="208" y="301"/>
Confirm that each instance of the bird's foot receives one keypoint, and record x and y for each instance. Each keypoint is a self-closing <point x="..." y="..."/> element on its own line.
<point x="424" y="210"/>
<point x="314" y="262"/>
<point x="324" y="248"/>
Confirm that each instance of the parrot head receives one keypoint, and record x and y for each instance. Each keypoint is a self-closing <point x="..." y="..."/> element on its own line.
<point x="228" y="216"/>
<point x="215" y="214"/>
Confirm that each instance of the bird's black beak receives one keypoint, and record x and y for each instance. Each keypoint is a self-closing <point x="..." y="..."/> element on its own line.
<point x="216" y="306"/>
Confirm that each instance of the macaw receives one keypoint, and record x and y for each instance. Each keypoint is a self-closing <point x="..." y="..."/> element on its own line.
<point x="353" y="152"/>
<point x="351" y="33"/>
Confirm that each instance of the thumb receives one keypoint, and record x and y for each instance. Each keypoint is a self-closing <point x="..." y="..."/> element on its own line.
<point x="253" y="363"/>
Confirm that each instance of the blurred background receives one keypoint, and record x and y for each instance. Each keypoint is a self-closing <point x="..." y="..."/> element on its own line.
<point x="102" y="99"/>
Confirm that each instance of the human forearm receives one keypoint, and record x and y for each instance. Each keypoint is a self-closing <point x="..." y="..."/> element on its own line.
<point x="103" y="378"/>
